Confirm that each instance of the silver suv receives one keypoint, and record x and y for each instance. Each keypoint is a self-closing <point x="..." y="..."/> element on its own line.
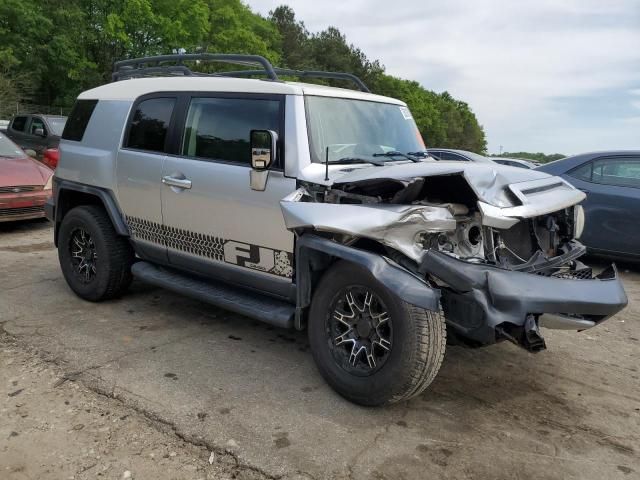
<point x="310" y="206"/>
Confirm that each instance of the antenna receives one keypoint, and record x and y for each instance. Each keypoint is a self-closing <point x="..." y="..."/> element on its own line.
<point x="326" y="165"/>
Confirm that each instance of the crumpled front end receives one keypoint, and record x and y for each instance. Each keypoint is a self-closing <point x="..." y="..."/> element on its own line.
<point x="504" y="264"/>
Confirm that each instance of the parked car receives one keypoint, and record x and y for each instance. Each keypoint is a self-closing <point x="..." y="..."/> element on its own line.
<point x="514" y="162"/>
<point x="611" y="181"/>
<point x="36" y="132"/>
<point x="300" y="205"/>
<point x="25" y="184"/>
<point x="3" y="125"/>
<point x="457" y="155"/>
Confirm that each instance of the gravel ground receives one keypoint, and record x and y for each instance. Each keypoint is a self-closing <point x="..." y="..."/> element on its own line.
<point x="102" y="387"/>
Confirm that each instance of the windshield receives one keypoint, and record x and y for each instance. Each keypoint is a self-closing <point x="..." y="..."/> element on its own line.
<point x="57" y="124"/>
<point x="359" y="129"/>
<point x="8" y="149"/>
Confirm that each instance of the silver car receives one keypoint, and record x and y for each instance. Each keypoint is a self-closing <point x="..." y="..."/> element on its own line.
<point x="308" y="206"/>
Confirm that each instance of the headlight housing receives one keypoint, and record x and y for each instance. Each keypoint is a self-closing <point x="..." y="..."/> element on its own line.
<point x="578" y="221"/>
<point x="49" y="184"/>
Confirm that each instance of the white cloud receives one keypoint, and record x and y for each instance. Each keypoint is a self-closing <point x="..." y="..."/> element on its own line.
<point x="511" y="61"/>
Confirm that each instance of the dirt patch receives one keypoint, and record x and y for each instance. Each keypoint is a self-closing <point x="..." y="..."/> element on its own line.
<point x="51" y="429"/>
<point x="28" y="248"/>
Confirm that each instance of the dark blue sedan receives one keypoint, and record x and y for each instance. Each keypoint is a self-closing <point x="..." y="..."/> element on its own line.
<point x="611" y="181"/>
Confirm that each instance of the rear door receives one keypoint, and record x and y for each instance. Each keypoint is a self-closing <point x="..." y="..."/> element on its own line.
<point x="214" y="222"/>
<point x="612" y="206"/>
<point x="139" y="172"/>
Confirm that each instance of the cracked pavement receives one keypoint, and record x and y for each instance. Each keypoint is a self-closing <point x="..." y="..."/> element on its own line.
<point x="232" y="385"/>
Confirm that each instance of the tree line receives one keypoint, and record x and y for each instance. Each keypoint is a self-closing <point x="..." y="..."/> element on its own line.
<point x="536" y="157"/>
<point x="52" y="50"/>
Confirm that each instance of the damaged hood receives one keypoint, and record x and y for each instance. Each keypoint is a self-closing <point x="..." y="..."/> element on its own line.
<point x="491" y="183"/>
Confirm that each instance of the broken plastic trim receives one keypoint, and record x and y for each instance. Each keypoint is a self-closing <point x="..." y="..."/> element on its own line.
<point x="481" y="298"/>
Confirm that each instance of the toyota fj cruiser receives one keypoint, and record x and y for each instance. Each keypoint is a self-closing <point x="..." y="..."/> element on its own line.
<point x="312" y="206"/>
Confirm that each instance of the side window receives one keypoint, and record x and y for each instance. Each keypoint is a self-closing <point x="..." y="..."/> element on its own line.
<point x="218" y="128"/>
<point x="149" y="124"/>
<point x="78" y="120"/>
<point x="37" y="124"/>
<point x="451" y="156"/>
<point x="19" y="123"/>
<point x="624" y="172"/>
<point x="583" y="172"/>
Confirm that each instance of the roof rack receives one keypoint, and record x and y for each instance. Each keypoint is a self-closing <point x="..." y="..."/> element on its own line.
<point x="153" y="66"/>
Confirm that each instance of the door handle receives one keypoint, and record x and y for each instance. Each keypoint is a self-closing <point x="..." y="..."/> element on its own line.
<point x="184" y="183"/>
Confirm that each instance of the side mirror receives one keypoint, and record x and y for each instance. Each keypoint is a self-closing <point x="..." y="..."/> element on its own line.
<point x="264" y="145"/>
<point x="31" y="153"/>
<point x="39" y="132"/>
<point x="263" y="148"/>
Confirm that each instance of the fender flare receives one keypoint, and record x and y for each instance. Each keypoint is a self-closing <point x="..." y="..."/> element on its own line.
<point x="105" y="196"/>
<point x="398" y="280"/>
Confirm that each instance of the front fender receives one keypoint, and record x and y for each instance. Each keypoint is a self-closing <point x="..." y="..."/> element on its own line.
<point x="397" y="279"/>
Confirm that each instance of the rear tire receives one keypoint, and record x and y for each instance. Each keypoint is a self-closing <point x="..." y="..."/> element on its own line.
<point x="398" y="347"/>
<point x="95" y="260"/>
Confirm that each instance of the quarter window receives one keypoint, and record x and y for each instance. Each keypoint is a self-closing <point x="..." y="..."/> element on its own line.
<point x="78" y="120"/>
<point x="19" y="123"/>
<point x="150" y="123"/>
<point x="583" y="172"/>
<point x="219" y="128"/>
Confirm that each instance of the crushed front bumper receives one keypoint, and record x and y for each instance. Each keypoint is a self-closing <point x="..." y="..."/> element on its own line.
<point x="484" y="304"/>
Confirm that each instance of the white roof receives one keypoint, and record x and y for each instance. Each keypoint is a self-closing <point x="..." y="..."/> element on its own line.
<point x="131" y="89"/>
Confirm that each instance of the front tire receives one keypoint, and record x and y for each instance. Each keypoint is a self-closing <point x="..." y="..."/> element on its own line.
<point x="95" y="260"/>
<point x="372" y="347"/>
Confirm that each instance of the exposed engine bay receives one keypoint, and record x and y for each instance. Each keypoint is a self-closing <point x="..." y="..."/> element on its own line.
<point x="433" y="213"/>
<point x="502" y="257"/>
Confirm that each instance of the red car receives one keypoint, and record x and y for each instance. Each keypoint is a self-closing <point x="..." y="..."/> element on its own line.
<point x="25" y="183"/>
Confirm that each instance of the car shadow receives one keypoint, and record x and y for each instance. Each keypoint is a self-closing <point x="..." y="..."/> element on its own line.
<point x="25" y="225"/>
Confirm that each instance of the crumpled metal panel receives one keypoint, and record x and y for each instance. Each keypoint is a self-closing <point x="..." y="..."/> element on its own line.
<point x="396" y="226"/>
<point x="490" y="183"/>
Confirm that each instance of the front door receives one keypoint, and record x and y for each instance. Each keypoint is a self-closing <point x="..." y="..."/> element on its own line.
<point x="214" y="223"/>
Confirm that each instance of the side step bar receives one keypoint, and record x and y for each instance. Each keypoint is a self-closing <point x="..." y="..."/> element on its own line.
<point x="244" y="302"/>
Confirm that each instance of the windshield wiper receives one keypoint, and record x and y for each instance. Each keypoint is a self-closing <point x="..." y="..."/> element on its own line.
<point x="420" y="154"/>
<point x="396" y="154"/>
<point x="351" y="160"/>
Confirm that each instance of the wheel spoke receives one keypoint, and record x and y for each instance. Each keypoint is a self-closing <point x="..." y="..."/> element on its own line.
<point x="343" y="338"/>
<point x="343" y="317"/>
<point x="352" y="303"/>
<point x="370" y="360"/>
<point x="355" y="352"/>
<point x="382" y="343"/>
<point x="379" y="319"/>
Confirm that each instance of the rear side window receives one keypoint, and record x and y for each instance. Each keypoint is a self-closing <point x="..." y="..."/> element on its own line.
<point x="78" y="120"/>
<point x="623" y="172"/>
<point x="149" y="124"/>
<point x="19" y="123"/>
<point x="219" y="128"/>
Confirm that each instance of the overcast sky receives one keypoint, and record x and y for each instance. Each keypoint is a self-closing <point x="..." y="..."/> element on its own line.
<point x="541" y="75"/>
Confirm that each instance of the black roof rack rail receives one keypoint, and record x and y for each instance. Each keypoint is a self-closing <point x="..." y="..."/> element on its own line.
<point x="139" y="67"/>
<point x="303" y="74"/>
<point x="153" y="66"/>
